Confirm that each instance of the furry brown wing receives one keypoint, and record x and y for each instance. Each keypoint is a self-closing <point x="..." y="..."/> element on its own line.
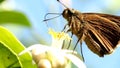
<point x="112" y="18"/>
<point x="102" y="33"/>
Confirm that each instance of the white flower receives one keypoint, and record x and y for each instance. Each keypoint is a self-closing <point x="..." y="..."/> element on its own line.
<point x="53" y="56"/>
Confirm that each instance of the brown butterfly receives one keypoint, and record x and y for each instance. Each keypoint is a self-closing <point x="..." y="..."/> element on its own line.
<point x="101" y="32"/>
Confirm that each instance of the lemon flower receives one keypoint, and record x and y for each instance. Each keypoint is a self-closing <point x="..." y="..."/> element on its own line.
<point x="53" y="56"/>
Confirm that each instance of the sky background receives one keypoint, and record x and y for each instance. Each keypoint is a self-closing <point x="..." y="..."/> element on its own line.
<point x="35" y="10"/>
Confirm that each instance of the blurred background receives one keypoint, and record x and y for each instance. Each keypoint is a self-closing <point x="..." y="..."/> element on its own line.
<point x="35" y="10"/>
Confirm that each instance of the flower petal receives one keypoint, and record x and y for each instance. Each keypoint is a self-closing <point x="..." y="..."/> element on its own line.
<point x="75" y="60"/>
<point x="38" y="47"/>
<point x="68" y="51"/>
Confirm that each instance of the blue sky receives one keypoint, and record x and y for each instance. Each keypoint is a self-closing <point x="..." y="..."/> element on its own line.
<point x="36" y="10"/>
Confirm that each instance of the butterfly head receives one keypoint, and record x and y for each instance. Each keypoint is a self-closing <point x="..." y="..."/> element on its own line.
<point x="68" y="13"/>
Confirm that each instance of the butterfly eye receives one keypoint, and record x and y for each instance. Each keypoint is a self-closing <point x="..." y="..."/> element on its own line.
<point x="66" y="13"/>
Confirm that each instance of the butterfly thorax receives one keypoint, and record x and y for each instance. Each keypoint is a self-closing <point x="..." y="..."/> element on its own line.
<point x="75" y="20"/>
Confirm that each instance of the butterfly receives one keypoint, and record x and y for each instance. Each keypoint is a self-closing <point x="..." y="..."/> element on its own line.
<point x="101" y="32"/>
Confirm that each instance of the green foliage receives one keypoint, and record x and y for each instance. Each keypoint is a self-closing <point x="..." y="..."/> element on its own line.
<point x="7" y="58"/>
<point x="1" y="1"/>
<point x="14" y="17"/>
<point x="10" y="47"/>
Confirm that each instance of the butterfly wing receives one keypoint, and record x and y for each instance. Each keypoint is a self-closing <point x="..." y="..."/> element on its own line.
<point x="112" y="18"/>
<point x="102" y="33"/>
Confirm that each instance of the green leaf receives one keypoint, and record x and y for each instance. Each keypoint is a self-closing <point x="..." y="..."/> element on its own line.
<point x="1" y="1"/>
<point x="7" y="58"/>
<point x="14" y="17"/>
<point x="10" y="43"/>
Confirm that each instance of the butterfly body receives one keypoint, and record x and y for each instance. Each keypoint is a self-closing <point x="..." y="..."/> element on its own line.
<point x="101" y="32"/>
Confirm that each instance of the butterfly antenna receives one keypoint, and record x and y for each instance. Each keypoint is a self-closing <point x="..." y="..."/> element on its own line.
<point x="46" y="19"/>
<point x="64" y="5"/>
